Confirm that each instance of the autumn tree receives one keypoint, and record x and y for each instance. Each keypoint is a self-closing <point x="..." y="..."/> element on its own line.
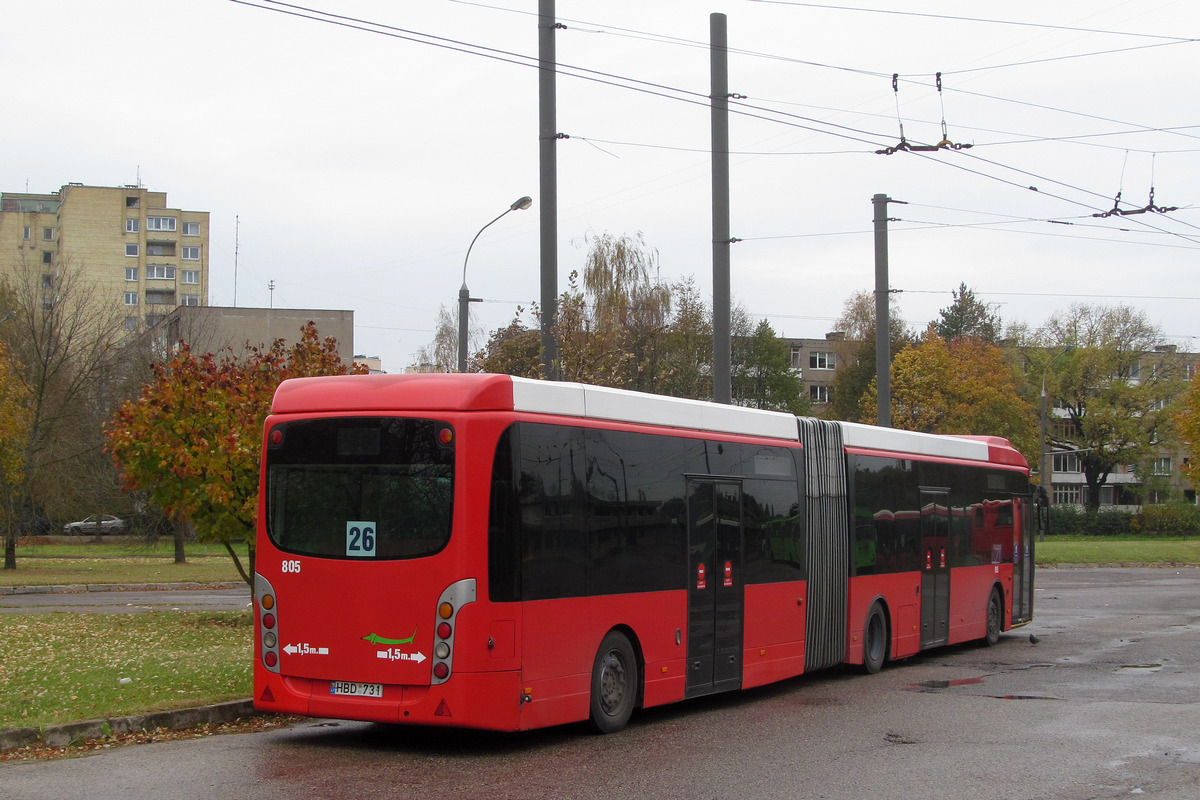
<point x="964" y="387"/>
<point x="856" y="349"/>
<point x="968" y="317"/>
<point x="14" y="435"/>
<point x="1187" y="424"/>
<point x="69" y="345"/>
<point x="192" y="439"/>
<point x="685" y="363"/>
<point x="1111" y="390"/>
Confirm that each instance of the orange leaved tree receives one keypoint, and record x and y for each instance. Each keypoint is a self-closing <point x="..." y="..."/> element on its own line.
<point x="192" y="439"/>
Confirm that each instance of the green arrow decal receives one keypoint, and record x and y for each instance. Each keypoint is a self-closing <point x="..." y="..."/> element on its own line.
<point x="375" y="638"/>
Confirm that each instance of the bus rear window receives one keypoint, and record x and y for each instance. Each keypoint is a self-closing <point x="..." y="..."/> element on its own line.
<point x="360" y="487"/>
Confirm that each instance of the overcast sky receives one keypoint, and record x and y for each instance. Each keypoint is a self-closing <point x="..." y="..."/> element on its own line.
<point x="361" y="165"/>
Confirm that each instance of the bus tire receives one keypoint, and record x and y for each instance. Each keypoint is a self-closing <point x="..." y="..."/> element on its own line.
<point x="875" y="640"/>
<point x="614" y="683"/>
<point x="995" y="618"/>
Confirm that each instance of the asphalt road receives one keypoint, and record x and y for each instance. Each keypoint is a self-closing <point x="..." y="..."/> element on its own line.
<point x="1106" y="704"/>
<point x="125" y="602"/>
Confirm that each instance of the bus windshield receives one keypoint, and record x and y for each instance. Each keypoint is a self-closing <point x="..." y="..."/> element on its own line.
<point x="360" y="487"/>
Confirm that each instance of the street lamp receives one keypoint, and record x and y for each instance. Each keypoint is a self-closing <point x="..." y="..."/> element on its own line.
<point x="1042" y="449"/>
<point x="464" y="296"/>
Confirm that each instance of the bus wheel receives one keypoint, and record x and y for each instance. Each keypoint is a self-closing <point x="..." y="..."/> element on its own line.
<point x="995" y="619"/>
<point x="614" y="683"/>
<point x="875" y="640"/>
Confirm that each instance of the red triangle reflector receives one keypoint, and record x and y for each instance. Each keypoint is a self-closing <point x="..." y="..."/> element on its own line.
<point x="443" y="710"/>
<point x="266" y="696"/>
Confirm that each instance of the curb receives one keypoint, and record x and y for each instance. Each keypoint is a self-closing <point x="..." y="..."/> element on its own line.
<point x="73" y="732"/>
<point x="78" y="588"/>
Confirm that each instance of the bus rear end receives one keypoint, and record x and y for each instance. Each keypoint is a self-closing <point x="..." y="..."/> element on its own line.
<point x="358" y="591"/>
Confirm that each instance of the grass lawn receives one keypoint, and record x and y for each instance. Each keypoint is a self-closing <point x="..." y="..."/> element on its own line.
<point x="42" y="562"/>
<point x="1113" y="550"/>
<point x="69" y="667"/>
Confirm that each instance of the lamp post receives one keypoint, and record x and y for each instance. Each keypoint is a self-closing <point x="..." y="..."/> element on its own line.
<point x="1042" y="449"/>
<point x="464" y="296"/>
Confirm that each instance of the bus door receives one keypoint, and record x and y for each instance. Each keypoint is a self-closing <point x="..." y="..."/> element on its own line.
<point x="714" y="632"/>
<point x="1024" y="532"/>
<point x="935" y="567"/>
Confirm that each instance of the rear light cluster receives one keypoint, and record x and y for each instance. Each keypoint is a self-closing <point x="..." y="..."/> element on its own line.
<point x="268" y="624"/>
<point x="449" y="604"/>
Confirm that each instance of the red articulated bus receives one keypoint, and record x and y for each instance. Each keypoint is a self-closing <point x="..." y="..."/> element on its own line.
<point x="492" y="552"/>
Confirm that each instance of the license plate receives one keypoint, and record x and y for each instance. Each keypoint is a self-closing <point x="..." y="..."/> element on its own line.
<point x="356" y="689"/>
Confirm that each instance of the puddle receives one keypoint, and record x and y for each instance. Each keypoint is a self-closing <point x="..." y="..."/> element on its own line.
<point x="1021" y="697"/>
<point x="926" y="685"/>
<point x="1139" y="668"/>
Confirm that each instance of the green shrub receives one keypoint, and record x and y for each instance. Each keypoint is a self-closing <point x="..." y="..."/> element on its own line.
<point x="1066" y="521"/>
<point x="1168" y="519"/>
<point x="1074" y="521"/>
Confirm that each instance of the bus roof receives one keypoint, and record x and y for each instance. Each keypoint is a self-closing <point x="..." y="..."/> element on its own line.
<point x="488" y="392"/>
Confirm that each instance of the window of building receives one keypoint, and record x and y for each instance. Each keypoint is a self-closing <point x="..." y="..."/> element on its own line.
<point x="1070" y="495"/>
<point x="131" y="323"/>
<point x="131" y="273"/>
<point x="26" y="233"/>
<point x="132" y="202"/>
<point x="190" y="300"/>
<point x="1161" y="466"/>
<point x="160" y="298"/>
<point x="154" y="319"/>
<point x="131" y="226"/>
<point x="191" y="254"/>
<point x="160" y="271"/>
<point x="131" y="298"/>
<point x="131" y="250"/>
<point x="1191" y="371"/>
<point x="47" y="281"/>
<point x="160" y="223"/>
<point x="818" y="394"/>
<point x="797" y="354"/>
<point x="47" y="234"/>
<point x="191" y="229"/>
<point x="160" y="248"/>
<point x="191" y="276"/>
<point x="1066" y="462"/>
<point x="821" y="361"/>
<point x="47" y="257"/>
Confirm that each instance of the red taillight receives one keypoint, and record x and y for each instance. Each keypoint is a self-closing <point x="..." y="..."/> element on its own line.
<point x="268" y="620"/>
<point x="270" y="659"/>
<point x="441" y="670"/>
<point x="443" y="630"/>
<point x="445" y="436"/>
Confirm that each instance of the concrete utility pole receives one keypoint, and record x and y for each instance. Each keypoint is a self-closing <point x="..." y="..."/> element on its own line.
<point x="548" y="160"/>
<point x="722" y="350"/>
<point x="883" y="326"/>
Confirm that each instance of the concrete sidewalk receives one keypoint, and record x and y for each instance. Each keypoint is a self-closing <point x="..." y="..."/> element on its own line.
<point x="78" y="588"/>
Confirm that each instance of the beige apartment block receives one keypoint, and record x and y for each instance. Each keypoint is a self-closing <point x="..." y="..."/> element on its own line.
<point x="125" y="243"/>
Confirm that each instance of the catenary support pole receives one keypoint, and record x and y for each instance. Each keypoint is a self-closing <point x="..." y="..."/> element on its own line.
<point x="548" y="163"/>
<point x="722" y="351"/>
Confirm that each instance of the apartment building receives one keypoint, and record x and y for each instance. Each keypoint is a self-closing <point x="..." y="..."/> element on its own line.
<point x="125" y="243"/>
<point x="816" y="362"/>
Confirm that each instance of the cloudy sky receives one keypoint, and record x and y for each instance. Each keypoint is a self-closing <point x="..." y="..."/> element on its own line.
<point x="362" y="157"/>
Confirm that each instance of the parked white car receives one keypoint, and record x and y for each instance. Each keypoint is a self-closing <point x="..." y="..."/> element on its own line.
<point x="96" y="524"/>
